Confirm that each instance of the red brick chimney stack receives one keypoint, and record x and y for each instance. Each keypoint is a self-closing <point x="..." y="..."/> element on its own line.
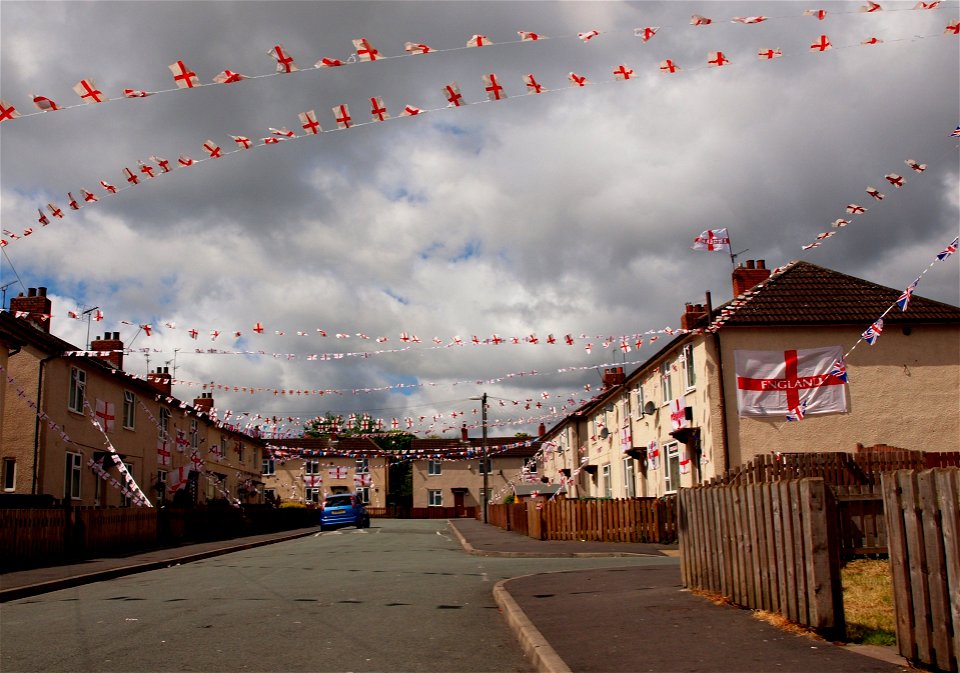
<point x="37" y="304"/>
<point x="161" y="381"/>
<point x="693" y="314"/>
<point x="542" y="430"/>
<point x="463" y="433"/>
<point x="203" y="403"/>
<point x="747" y="275"/>
<point x="612" y="377"/>
<point x="110" y="342"/>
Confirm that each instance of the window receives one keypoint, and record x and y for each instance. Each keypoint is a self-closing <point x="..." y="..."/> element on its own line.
<point x="532" y="467"/>
<point x="607" y="482"/>
<point x="482" y="494"/>
<point x="485" y="468"/>
<point x="194" y="434"/>
<point x="71" y="480"/>
<point x="435" y="498"/>
<point x="129" y="402"/>
<point x="9" y="474"/>
<point x="629" y="480"/>
<point x="626" y="406"/>
<point x="691" y="374"/>
<point x="672" y="471"/>
<point x="78" y="384"/>
<point x="164" y="423"/>
<point x="311" y="466"/>
<point x="238" y="445"/>
<point x="269" y="467"/>
<point x="223" y="446"/>
<point x="363" y="465"/>
<point x="665" y="384"/>
<point x="313" y="495"/>
<point x="269" y="495"/>
<point x="363" y="492"/>
<point x="434" y="467"/>
<point x="640" y="399"/>
<point x="162" y="479"/>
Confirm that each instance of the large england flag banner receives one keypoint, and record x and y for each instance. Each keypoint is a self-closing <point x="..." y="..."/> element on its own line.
<point x="774" y="383"/>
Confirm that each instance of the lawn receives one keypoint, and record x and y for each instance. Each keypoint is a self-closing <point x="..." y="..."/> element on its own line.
<point x="868" y="602"/>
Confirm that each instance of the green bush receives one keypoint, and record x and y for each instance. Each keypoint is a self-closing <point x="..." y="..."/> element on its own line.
<point x="292" y="505"/>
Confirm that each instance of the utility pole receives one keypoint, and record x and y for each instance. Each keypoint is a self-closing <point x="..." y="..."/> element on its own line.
<point x="486" y="462"/>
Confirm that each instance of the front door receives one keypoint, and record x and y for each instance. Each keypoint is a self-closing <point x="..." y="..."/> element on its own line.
<point x="458" y="503"/>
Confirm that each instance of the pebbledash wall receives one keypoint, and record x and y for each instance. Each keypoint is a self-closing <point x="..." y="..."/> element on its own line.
<point x="903" y="391"/>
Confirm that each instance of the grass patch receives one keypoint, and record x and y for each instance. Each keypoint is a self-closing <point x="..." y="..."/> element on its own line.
<point x="868" y="602"/>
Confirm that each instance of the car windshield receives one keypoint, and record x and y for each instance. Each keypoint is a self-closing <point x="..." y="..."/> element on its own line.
<point x="338" y="501"/>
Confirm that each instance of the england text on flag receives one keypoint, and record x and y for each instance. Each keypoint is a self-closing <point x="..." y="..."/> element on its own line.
<point x="775" y="383"/>
<point x="713" y="240"/>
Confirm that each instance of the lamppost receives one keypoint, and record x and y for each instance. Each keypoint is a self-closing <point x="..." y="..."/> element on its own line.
<point x="486" y="464"/>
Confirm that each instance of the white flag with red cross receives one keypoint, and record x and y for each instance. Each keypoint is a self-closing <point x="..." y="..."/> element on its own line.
<point x="712" y="240"/>
<point x="362" y="480"/>
<point x="313" y="480"/>
<point x="105" y="414"/>
<point x="163" y="451"/>
<point x="678" y="413"/>
<point x="773" y="383"/>
<point x="337" y="472"/>
<point x="178" y="479"/>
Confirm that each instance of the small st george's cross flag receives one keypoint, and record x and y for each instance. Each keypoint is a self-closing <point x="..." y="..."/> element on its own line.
<point x="712" y="240"/>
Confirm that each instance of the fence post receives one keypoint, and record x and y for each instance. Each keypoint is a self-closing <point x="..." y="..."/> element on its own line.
<point x="825" y="600"/>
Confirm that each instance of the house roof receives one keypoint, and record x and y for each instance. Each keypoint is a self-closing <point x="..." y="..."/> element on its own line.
<point x="802" y="293"/>
<point x="343" y="444"/>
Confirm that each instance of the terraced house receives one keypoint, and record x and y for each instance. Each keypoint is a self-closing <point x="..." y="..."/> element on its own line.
<point x="676" y="420"/>
<point x="172" y="449"/>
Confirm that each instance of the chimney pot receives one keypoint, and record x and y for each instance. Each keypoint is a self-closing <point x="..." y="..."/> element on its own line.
<point x="542" y="430"/>
<point x="42" y="291"/>
<point x="746" y="278"/>
<point x="761" y="264"/>
<point x="31" y="292"/>
<point x="463" y="432"/>
<point x="750" y="264"/>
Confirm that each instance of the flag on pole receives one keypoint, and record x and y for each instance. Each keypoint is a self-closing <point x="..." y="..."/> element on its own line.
<point x="712" y="240"/>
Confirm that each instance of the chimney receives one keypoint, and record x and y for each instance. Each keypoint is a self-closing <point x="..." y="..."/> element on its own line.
<point x="693" y="315"/>
<point x="542" y="430"/>
<point x="203" y="403"/>
<point x="612" y="377"/>
<point x="36" y="304"/>
<point x="463" y="433"/>
<point x="110" y="342"/>
<point x="747" y="275"/>
<point x="162" y="381"/>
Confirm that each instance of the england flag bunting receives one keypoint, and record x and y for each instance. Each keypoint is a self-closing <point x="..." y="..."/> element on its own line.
<point x="178" y="478"/>
<point x="776" y="383"/>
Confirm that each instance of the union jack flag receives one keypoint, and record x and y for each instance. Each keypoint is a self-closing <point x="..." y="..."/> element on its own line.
<point x="873" y="332"/>
<point x="956" y="133"/>
<point x="839" y="369"/>
<point x="797" y="413"/>
<point x="949" y="250"/>
<point x="904" y="299"/>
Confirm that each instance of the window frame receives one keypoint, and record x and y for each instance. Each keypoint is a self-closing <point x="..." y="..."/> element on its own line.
<point x="364" y="494"/>
<point x="629" y="478"/>
<point x="434" y="497"/>
<point x="312" y="494"/>
<point x="311" y="467"/>
<point x="606" y="480"/>
<point x="194" y="434"/>
<point x="671" y="454"/>
<point x="9" y="475"/>
<point x="689" y="371"/>
<point x="77" y="394"/>
<point x="666" y="383"/>
<point x="129" y="421"/>
<point x="73" y="463"/>
<point x="434" y="468"/>
<point x="163" y="425"/>
<point x="362" y="465"/>
<point x="268" y="467"/>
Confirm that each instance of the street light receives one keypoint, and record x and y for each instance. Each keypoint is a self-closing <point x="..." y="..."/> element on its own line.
<point x="486" y="465"/>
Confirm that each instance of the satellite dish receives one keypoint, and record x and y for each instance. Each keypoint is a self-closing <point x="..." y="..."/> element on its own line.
<point x="604" y="433"/>
<point x="649" y="407"/>
<point x="610" y="407"/>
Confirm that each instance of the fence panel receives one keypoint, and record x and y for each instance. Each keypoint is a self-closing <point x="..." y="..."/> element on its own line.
<point x="27" y="534"/>
<point x="766" y="546"/>
<point x="923" y="522"/>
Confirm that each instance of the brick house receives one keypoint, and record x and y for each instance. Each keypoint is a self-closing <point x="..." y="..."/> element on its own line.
<point x="47" y="439"/>
<point x="675" y="421"/>
<point x="307" y="469"/>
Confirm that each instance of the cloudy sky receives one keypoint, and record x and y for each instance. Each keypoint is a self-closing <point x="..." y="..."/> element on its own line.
<point x="569" y="212"/>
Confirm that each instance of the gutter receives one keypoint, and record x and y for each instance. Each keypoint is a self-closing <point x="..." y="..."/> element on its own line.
<point x="36" y="427"/>
<point x="723" y="401"/>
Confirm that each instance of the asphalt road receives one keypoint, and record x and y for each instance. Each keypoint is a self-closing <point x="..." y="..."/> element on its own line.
<point x="400" y="596"/>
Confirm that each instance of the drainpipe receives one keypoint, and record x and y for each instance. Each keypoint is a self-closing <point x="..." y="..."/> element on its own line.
<point x="36" y="427"/>
<point x="723" y="402"/>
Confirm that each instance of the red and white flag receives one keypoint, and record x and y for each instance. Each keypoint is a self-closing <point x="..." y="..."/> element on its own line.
<point x="228" y="77"/>
<point x="577" y="80"/>
<point x="769" y="54"/>
<point x="337" y="472"/>
<point x="163" y="452"/>
<point x="88" y="196"/>
<point x="328" y="63"/>
<point x="365" y="50"/>
<point x="178" y="478"/>
<point x="821" y="14"/>
<point x="533" y="86"/>
<point x="313" y="480"/>
<point x="162" y="163"/>
<point x="43" y="103"/>
<point x="285" y="132"/>
<point x="410" y="111"/>
<point x="342" y="114"/>
<point x="55" y="211"/>
<point x="712" y="240"/>
<point x="362" y="480"/>
<point x="183" y="77"/>
<point x="136" y="93"/>
<point x="678" y="414"/>
<point x="308" y="120"/>
<point x="452" y="93"/>
<point x="478" y="41"/>
<point x="284" y="60"/>
<point x="493" y="88"/>
<point x="697" y="20"/>
<point x="243" y="141"/>
<point x="773" y="383"/>
<point x="7" y="111"/>
<point x="527" y="36"/>
<point x="589" y="35"/>
<point x="88" y="91"/>
<point x="378" y="110"/>
<point x="669" y="66"/>
<point x="717" y="59"/>
<point x="748" y="19"/>
<point x="184" y="160"/>
<point x="821" y="45"/>
<point x="415" y="48"/>
<point x="105" y="415"/>
<point x="212" y="149"/>
<point x="646" y="33"/>
<point x="622" y="72"/>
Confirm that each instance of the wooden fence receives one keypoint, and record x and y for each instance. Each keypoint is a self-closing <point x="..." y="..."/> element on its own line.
<point x="769" y="546"/>
<point x="620" y="520"/>
<point x="28" y="535"/>
<point x="923" y="521"/>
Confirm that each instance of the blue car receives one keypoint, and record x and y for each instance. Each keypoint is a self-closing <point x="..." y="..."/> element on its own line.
<point x="344" y="509"/>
